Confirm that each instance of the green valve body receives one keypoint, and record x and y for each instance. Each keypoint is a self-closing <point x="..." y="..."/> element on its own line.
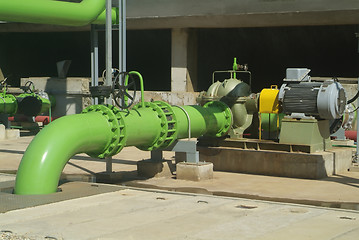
<point x="8" y="104"/>
<point x="102" y="131"/>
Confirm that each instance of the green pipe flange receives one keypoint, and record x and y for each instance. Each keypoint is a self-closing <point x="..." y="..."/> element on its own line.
<point x="122" y="127"/>
<point x="118" y="138"/>
<point x="168" y="124"/>
<point x="227" y="114"/>
<point x="171" y="123"/>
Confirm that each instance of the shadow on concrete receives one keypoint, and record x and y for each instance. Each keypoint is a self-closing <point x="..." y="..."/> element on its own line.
<point x="83" y="158"/>
<point x="349" y="181"/>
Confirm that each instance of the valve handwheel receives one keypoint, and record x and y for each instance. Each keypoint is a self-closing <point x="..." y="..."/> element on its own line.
<point x="120" y="92"/>
<point x="29" y="87"/>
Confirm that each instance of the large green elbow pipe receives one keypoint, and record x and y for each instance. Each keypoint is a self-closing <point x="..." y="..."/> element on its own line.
<point x="50" y="150"/>
<point x="55" y="12"/>
<point x="102" y="131"/>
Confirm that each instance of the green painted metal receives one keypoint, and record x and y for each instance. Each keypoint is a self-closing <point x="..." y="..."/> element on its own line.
<point x="269" y="121"/>
<point x="102" y="131"/>
<point x="44" y="103"/>
<point x="8" y="104"/>
<point x="141" y="86"/>
<point x="55" y="12"/>
<point x="310" y="132"/>
<point x="235" y="68"/>
<point x="50" y="150"/>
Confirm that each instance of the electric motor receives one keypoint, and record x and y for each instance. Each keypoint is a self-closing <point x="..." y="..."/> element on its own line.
<point x="323" y="100"/>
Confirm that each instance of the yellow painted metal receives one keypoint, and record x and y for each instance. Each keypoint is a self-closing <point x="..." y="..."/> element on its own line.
<point x="268" y="100"/>
<point x="268" y="103"/>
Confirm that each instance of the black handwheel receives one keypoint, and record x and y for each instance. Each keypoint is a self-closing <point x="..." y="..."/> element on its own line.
<point x="29" y="87"/>
<point x="120" y="92"/>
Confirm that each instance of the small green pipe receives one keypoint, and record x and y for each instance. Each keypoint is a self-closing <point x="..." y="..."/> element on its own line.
<point x="102" y="131"/>
<point x="141" y="85"/>
<point x="54" y="12"/>
<point x="235" y="68"/>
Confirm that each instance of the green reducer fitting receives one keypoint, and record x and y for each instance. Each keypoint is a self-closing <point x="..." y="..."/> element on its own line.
<point x="103" y="131"/>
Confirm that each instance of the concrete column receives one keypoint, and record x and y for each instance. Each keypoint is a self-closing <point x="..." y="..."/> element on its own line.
<point x="184" y="60"/>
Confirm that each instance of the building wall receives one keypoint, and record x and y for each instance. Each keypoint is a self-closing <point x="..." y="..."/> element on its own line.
<point x="327" y="50"/>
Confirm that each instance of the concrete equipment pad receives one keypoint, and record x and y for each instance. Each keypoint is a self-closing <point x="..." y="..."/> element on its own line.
<point x="278" y="163"/>
<point x="147" y="214"/>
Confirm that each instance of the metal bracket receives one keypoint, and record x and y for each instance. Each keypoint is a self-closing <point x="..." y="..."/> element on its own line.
<point x="187" y="146"/>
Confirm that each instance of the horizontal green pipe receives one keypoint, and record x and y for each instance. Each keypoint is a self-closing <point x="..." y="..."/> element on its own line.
<point x="142" y="127"/>
<point x="54" y="12"/>
<point x="209" y="121"/>
<point x="50" y="150"/>
<point x="105" y="129"/>
<point x="197" y="116"/>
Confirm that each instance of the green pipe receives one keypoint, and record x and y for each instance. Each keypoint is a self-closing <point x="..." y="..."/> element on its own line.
<point x="269" y="121"/>
<point x="31" y="104"/>
<point x="46" y="156"/>
<point x="141" y="86"/>
<point x="102" y="131"/>
<point x="8" y="104"/>
<point x="54" y="12"/>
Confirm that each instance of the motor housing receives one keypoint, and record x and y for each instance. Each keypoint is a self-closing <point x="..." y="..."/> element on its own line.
<point x="322" y="100"/>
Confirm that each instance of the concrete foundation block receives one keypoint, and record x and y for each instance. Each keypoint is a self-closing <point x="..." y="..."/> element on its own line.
<point x="155" y="168"/>
<point x="274" y="163"/>
<point x="194" y="171"/>
<point x="12" y="133"/>
<point x="2" y="132"/>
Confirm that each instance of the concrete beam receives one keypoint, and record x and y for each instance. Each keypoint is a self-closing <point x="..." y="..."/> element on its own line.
<point x="240" y="13"/>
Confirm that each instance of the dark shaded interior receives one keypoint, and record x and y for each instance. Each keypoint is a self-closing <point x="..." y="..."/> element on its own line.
<point x="328" y="50"/>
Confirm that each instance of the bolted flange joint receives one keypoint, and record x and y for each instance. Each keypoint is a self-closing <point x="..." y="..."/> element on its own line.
<point x="118" y="129"/>
<point x="168" y="132"/>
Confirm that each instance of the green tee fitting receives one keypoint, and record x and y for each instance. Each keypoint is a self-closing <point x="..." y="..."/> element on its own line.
<point x="103" y="131"/>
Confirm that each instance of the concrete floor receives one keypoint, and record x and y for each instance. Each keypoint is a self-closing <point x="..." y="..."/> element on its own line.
<point x="336" y="191"/>
<point x="144" y="214"/>
<point x="100" y="211"/>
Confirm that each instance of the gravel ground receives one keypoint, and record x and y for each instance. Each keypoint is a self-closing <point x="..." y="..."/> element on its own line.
<point x="8" y="235"/>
